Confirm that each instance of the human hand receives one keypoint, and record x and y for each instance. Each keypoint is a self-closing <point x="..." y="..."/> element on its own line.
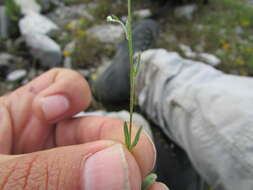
<point x="42" y="147"/>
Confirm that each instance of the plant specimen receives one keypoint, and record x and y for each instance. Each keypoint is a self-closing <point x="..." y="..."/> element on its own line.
<point x="130" y="144"/>
<point x="134" y="65"/>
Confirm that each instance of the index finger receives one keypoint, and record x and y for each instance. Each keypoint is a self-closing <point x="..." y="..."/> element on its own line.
<point x="92" y="128"/>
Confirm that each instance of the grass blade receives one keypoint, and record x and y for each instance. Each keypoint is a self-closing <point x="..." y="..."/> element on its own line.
<point x="138" y="61"/>
<point x="127" y="135"/>
<point x="137" y="137"/>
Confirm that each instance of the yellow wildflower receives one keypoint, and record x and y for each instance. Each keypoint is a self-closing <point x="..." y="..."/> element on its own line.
<point x="245" y="23"/>
<point x="66" y="53"/>
<point x="225" y="46"/>
<point x="80" y="32"/>
<point x="70" y="26"/>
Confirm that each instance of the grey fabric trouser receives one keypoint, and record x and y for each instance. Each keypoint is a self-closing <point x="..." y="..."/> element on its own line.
<point x="206" y="112"/>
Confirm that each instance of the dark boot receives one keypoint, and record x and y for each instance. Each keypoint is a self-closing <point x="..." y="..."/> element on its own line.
<point x="112" y="85"/>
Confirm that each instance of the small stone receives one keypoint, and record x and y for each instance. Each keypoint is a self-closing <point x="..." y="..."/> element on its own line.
<point x="36" y="24"/>
<point x="185" y="11"/>
<point x="84" y="72"/>
<point x="143" y="13"/>
<point x="44" y="49"/>
<point x="222" y="31"/>
<point x="16" y="75"/>
<point x="199" y="26"/>
<point x="210" y="59"/>
<point x="170" y="38"/>
<point x="6" y="58"/>
<point x="107" y="33"/>
<point x="28" y="6"/>
<point x="200" y="46"/>
<point x="187" y="51"/>
<point x="238" y="30"/>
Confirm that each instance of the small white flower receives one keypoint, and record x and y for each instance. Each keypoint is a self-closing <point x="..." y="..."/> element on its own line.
<point x="109" y="19"/>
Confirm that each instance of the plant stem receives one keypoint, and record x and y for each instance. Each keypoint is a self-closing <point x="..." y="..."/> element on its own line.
<point x="130" y="46"/>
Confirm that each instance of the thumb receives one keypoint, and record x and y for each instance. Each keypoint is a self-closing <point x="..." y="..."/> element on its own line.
<point x="92" y="166"/>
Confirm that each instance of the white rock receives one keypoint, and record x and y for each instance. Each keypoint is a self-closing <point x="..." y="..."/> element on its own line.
<point x="185" y="11"/>
<point x="36" y="24"/>
<point x="143" y="13"/>
<point x="44" y="49"/>
<point x="199" y="26"/>
<point x="67" y="14"/>
<point x="6" y="59"/>
<point x="187" y="51"/>
<point x="238" y="30"/>
<point x="84" y="72"/>
<point x="16" y="75"/>
<point x="28" y="6"/>
<point x="209" y="58"/>
<point x="107" y="33"/>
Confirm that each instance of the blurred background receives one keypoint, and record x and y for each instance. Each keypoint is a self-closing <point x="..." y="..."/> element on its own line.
<point x="37" y="35"/>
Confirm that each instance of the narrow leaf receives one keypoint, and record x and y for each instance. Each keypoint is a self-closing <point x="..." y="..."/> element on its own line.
<point x="148" y="181"/>
<point x="138" y="61"/>
<point x="127" y="29"/>
<point x="127" y="136"/>
<point x="137" y="137"/>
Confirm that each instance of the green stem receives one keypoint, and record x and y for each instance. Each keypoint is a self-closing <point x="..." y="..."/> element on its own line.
<point x="130" y="46"/>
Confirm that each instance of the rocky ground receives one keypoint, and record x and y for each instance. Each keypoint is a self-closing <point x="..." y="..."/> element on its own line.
<point x="73" y="34"/>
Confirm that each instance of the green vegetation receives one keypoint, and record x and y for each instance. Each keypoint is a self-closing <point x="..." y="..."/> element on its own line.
<point x="109" y="7"/>
<point x="89" y="51"/>
<point x="223" y="27"/>
<point x="71" y="2"/>
<point x="13" y="10"/>
<point x="133" y="73"/>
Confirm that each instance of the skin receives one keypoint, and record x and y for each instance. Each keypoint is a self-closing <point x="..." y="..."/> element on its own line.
<point x="43" y="148"/>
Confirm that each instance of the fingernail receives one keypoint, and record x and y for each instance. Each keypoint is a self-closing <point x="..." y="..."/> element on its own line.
<point x="54" y="106"/>
<point x="106" y="169"/>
